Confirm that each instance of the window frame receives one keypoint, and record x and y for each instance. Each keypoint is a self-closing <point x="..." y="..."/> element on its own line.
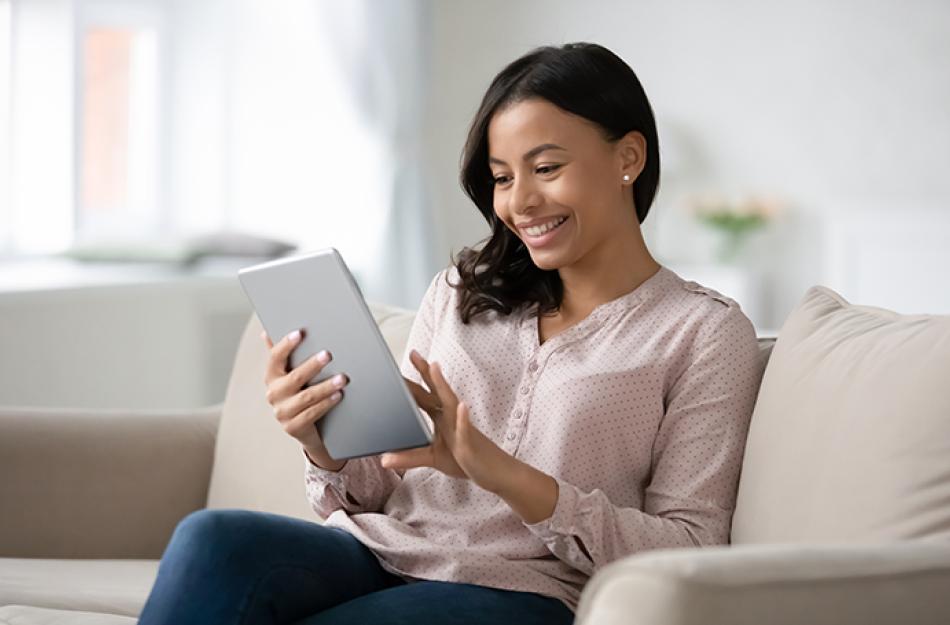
<point x="122" y="14"/>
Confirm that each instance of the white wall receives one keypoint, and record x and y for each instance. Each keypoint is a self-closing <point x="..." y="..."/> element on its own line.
<point x="831" y="105"/>
<point x="843" y="108"/>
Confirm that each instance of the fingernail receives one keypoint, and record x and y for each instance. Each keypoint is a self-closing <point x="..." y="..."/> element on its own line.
<point x="323" y="357"/>
<point x="263" y="335"/>
<point x="338" y="380"/>
<point x="336" y="396"/>
<point x="294" y="336"/>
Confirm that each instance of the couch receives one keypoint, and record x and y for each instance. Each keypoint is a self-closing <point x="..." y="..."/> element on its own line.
<point x="843" y="512"/>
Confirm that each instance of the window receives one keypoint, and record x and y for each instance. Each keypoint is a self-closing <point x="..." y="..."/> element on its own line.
<point x="154" y="120"/>
<point x="81" y="155"/>
<point x="118" y="149"/>
<point x="118" y="122"/>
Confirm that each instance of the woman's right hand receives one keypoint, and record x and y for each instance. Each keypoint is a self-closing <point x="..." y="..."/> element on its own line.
<point x="296" y="408"/>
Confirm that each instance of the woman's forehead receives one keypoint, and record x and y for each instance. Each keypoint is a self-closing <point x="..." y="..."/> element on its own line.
<point x="534" y="122"/>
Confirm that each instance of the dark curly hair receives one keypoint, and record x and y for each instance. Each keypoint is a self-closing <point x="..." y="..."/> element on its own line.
<point x="587" y="80"/>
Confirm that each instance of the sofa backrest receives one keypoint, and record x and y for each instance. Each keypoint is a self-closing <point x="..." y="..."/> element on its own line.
<point x="257" y="466"/>
<point x="850" y="436"/>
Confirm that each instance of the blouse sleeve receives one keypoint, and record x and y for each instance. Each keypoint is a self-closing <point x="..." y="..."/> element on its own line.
<point x="697" y="454"/>
<point x="363" y="484"/>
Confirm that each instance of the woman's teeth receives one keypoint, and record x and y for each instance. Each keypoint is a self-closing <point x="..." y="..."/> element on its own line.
<point x="536" y="231"/>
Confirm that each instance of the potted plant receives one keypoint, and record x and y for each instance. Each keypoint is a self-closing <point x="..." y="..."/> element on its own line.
<point x="734" y="219"/>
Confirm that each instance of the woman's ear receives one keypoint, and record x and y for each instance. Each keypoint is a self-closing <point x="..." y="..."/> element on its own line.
<point x="632" y="150"/>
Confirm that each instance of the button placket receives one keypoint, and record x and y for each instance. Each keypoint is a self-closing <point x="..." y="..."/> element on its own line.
<point x="516" y="423"/>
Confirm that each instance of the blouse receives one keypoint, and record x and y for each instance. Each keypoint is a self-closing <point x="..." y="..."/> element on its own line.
<point x="639" y="412"/>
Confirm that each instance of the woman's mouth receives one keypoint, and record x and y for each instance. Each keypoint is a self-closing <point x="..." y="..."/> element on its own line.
<point x="539" y="236"/>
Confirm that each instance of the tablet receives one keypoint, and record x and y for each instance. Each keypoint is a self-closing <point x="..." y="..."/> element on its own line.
<point x="316" y="292"/>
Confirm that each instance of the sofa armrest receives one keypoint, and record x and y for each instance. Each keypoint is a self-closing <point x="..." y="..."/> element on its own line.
<point x="902" y="582"/>
<point x="103" y="483"/>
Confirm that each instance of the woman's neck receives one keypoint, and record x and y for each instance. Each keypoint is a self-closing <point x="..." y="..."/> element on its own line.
<point x="605" y="274"/>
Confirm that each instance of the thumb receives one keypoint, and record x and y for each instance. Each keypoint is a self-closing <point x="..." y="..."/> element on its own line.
<point x="462" y="423"/>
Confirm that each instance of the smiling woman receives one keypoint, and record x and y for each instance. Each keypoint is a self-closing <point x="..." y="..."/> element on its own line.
<point x="587" y="403"/>
<point x="558" y="130"/>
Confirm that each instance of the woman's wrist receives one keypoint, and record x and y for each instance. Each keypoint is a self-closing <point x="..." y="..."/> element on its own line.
<point x="322" y="460"/>
<point x="531" y="493"/>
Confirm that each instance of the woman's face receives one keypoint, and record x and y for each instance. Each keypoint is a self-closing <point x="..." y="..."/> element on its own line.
<point x="559" y="183"/>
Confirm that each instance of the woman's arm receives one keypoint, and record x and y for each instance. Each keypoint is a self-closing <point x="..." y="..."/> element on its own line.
<point x="531" y="493"/>
<point x="363" y="484"/>
<point x="695" y="466"/>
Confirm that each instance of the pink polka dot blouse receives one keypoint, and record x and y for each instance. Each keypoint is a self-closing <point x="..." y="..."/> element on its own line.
<point x="639" y="411"/>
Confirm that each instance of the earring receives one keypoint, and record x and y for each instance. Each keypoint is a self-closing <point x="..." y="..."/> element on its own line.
<point x="626" y="177"/>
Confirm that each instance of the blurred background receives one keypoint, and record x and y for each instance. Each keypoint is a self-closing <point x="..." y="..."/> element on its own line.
<point x="149" y="148"/>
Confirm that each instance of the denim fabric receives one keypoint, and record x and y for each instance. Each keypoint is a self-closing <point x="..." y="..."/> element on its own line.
<point x="243" y="567"/>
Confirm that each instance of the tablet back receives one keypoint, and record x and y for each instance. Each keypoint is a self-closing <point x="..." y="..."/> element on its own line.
<point x="315" y="292"/>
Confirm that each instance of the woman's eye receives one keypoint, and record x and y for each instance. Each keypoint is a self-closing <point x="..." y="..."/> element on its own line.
<point x="547" y="169"/>
<point x="502" y="179"/>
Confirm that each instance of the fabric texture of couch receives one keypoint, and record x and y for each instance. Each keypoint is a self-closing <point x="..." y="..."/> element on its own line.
<point x="843" y="513"/>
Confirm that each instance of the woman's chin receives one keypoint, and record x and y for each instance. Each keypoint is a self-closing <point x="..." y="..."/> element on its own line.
<point x="547" y="261"/>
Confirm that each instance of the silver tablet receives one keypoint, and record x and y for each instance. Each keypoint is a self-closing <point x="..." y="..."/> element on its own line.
<point x="315" y="292"/>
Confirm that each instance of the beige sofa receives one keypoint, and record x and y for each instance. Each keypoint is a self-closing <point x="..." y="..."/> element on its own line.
<point x="843" y="513"/>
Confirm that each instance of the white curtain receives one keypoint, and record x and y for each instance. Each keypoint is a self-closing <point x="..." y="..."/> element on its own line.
<point x="300" y="120"/>
<point x="326" y="140"/>
<point x="381" y="47"/>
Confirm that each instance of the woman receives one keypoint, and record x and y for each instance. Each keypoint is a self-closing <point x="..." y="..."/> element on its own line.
<point x="588" y="403"/>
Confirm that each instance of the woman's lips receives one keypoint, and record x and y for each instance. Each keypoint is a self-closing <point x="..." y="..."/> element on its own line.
<point x="547" y="237"/>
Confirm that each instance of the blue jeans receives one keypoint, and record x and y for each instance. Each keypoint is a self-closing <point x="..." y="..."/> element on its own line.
<point x="237" y="566"/>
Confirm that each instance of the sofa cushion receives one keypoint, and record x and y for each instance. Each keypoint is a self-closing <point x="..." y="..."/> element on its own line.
<point x="27" y="615"/>
<point x="257" y="466"/>
<point x="109" y="586"/>
<point x="850" y="436"/>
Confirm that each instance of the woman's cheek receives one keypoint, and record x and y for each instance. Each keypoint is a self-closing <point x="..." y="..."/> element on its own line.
<point x="499" y="205"/>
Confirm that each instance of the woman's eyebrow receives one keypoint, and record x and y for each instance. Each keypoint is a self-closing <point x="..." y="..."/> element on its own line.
<point x="530" y="153"/>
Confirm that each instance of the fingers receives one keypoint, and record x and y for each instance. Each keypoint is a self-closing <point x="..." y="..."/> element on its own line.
<point x="443" y="390"/>
<point x="296" y="408"/>
<point x="290" y="383"/>
<point x="426" y="400"/>
<point x="277" y="363"/>
<point x="409" y="459"/>
<point x="303" y="420"/>
<point x="462" y="421"/>
<point x="311" y="396"/>
<point x="426" y="371"/>
<point x="432" y="375"/>
<point x="422" y="367"/>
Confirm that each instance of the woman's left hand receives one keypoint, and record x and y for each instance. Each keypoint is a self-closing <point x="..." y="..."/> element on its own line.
<point x="458" y="449"/>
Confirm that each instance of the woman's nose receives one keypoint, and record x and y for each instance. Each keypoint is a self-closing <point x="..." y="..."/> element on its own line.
<point x="524" y="196"/>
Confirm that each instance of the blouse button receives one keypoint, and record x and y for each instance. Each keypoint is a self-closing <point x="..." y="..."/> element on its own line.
<point x="511" y="436"/>
<point x="524" y="390"/>
<point x="518" y="413"/>
<point x="533" y="366"/>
